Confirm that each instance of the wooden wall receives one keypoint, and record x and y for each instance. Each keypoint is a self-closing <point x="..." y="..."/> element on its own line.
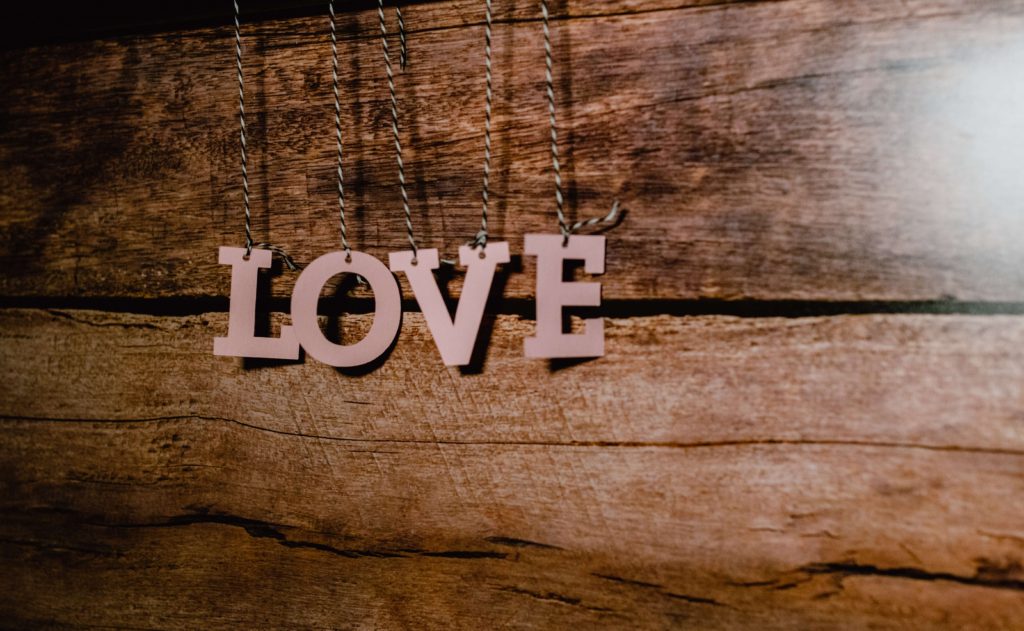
<point x="811" y="413"/>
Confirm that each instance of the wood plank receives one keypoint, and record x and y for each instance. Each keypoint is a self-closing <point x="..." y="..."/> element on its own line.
<point x="766" y="150"/>
<point x="731" y="473"/>
<point x="445" y="537"/>
<point x="939" y="382"/>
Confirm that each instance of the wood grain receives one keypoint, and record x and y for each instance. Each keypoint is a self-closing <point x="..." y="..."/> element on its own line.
<point x="722" y="472"/>
<point x="848" y="471"/>
<point x="806" y="149"/>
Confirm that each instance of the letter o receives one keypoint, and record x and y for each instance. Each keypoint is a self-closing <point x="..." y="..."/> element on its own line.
<point x="387" y="316"/>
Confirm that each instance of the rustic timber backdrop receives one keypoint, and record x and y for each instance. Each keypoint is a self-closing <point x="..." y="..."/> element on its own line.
<point x="810" y="415"/>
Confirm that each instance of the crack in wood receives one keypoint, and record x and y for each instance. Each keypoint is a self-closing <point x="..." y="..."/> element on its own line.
<point x="554" y="597"/>
<point x="621" y="444"/>
<point x="660" y="589"/>
<point x="259" y="529"/>
<point x="519" y="543"/>
<point x="987" y="574"/>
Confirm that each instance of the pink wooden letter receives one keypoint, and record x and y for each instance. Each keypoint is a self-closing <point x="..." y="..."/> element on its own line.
<point x="454" y="339"/>
<point x="387" y="304"/>
<point x="241" y="340"/>
<point x="553" y="294"/>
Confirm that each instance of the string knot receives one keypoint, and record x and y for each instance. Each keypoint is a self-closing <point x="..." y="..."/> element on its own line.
<point x="479" y="240"/>
<point x="569" y="230"/>
<point x="564" y="226"/>
<point x="288" y="261"/>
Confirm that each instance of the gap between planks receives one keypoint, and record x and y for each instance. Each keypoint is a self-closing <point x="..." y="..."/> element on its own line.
<point x="524" y="307"/>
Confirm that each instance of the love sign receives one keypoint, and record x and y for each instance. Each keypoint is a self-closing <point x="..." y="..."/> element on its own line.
<point x="454" y="337"/>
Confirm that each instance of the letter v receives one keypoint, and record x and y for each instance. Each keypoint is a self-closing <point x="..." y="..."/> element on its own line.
<point x="454" y="339"/>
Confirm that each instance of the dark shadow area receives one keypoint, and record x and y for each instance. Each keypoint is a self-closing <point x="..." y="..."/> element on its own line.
<point x="572" y="270"/>
<point x="258" y="363"/>
<point x="561" y="363"/>
<point x="264" y="308"/>
<point x="178" y="306"/>
<point x="35" y="24"/>
<point x="339" y="302"/>
<point x="492" y="308"/>
<point x="84" y="159"/>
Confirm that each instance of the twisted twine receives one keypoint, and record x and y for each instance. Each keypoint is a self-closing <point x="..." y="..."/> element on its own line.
<point x="394" y="117"/>
<point x="564" y="226"/>
<point x="249" y="245"/>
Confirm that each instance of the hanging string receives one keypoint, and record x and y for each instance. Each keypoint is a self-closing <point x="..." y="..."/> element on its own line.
<point x="403" y="50"/>
<point x="249" y="245"/>
<point x="241" y="120"/>
<point x="481" y="236"/>
<point x="394" y="118"/>
<point x="563" y="225"/>
<point x="337" y="129"/>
